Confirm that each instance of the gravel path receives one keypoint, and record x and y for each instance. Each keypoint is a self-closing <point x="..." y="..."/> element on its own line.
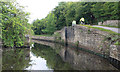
<point x="117" y="30"/>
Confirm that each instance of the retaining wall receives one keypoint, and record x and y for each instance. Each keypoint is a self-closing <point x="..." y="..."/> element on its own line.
<point x="92" y="39"/>
<point x="43" y="38"/>
<point x="88" y="38"/>
<point x="110" y="23"/>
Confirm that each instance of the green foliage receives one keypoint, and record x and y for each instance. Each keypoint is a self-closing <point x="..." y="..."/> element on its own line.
<point x="77" y="43"/>
<point x="57" y="36"/>
<point x="66" y="12"/>
<point x="60" y="12"/>
<point x="50" y="24"/>
<point x="14" y="24"/>
<point x="70" y="13"/>
<point x="38" y="25"/>
<point x="117" y="43"/>
<point x="45" y="26"/>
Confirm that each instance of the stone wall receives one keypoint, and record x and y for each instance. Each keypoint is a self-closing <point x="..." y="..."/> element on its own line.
<point x="110" y="23"/>
<point x="79" y="60"/>
<point x="43" y="38"/>
<point x="91" y="39"/>
<point x="115" y="52"/>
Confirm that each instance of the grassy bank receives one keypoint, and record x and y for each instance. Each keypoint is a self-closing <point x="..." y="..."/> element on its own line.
<point x="102" y="29"/>
<point x="110" y="26"/>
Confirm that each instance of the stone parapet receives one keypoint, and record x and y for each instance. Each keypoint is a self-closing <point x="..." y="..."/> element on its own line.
<point x="110" y="23"/>
<point x="43" y="38"/>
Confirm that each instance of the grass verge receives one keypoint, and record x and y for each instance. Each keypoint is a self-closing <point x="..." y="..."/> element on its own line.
<point x="102" y="29"/>
<point x="117" y="43"/>
<point x="110" y="26"/>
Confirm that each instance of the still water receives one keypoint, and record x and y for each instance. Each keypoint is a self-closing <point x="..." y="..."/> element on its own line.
<point x="51" y="56"/>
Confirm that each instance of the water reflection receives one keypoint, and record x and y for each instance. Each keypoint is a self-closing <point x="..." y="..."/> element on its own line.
<point x="79" y="60"/>
<point x="37" y="63"/>
<point x="15" y="59"/>
<point x="40" y="57"/>
<point x="52" y="56"/>
<point x="53" y="60"/>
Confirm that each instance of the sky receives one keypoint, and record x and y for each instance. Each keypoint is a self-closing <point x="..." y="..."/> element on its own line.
<point x="39" y="9"/>
<point x="37" y="63"/>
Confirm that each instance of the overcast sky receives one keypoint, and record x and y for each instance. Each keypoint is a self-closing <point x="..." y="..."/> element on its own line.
<point x="39" y="8"/>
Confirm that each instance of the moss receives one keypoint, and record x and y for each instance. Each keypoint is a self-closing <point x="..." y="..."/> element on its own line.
<point x="115" y="38"/>
<point x="105" y="38"/>
<point x="77" y="43"/>
<point x="57" y="36"/>
<point x="89" y="31"/>
<point x="81" y="30"/>
<point x="117" y="43"/>
<point x="62" y="40"/>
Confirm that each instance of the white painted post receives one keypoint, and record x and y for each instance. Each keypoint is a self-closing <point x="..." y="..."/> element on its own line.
<point x="73" y="23"/>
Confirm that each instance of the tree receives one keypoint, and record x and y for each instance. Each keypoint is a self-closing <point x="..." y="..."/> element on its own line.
<point x="60" y="12"/>
<point x="66" y="12"/>
<point x="105" y="11"/>
<point x="70" y="13"/>
<point x="50" y="26"/>
<point x="38" y="25"/>
<point x="14" y="21"/>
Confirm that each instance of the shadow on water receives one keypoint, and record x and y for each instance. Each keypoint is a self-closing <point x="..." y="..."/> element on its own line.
<point x="56" y="57"/>
<point x="79" y="59"/>
<point x="15" y="59"/>
<point x="114" y="62"/>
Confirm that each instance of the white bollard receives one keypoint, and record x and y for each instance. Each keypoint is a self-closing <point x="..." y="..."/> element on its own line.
<point x="74" y="23"/>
